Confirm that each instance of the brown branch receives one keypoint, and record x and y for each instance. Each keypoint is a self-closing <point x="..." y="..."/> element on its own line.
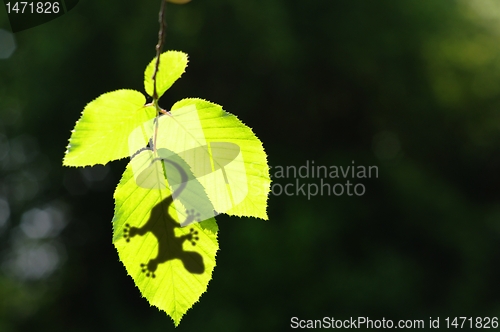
<point x="159" y="46"/>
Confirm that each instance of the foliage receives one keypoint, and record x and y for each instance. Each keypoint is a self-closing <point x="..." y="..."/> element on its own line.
<point x="187" y="165"/>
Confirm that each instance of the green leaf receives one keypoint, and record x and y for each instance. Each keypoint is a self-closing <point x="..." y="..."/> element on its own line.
<point x="224" y="154"/>
<point x="102" y="132"/>
<point x="172" y="66"/>
<point x="157" y="252"/>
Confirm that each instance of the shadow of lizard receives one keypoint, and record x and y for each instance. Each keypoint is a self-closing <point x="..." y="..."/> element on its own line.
<point x="162" y="225"/>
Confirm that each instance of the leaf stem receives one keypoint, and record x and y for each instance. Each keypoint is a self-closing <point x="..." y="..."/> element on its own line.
<point x="159" y="47"/>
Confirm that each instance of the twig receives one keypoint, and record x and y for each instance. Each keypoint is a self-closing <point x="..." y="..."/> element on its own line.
<point x="159" y="46"/>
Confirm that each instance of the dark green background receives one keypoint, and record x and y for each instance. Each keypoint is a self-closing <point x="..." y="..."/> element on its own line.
<point x="411" y="86"/>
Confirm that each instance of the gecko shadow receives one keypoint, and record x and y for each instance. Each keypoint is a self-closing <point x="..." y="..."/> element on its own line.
<point x="162" y="225"/>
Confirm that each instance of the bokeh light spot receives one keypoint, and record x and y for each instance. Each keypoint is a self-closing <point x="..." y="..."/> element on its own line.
<point x="7" y="44"/>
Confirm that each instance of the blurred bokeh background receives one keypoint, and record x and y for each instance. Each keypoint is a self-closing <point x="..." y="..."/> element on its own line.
<point x="412" y="87"/>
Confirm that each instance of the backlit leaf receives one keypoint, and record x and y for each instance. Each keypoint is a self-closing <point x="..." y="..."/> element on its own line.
<point x="224" y="154"/>
<point x="172" y="66"/>
<point x="171" y="265"/>
<point x="101" y="134"/>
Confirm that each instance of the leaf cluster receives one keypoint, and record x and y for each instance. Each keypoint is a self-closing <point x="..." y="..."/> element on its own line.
<point x="187" y="165"/>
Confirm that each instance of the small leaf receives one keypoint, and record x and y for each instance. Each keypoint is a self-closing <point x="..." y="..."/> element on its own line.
<point x="171" y="265"/>
<point x="102" y="132"/>
<point x="172" y="66"/>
